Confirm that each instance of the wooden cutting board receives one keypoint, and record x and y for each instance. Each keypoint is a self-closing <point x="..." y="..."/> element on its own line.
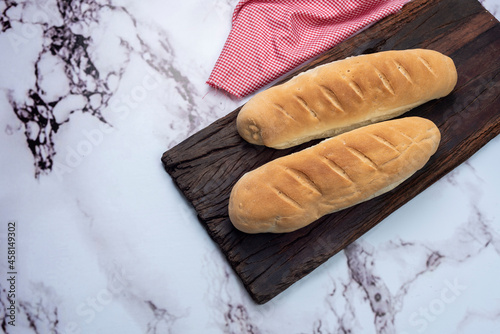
<point x="206" y="165"/>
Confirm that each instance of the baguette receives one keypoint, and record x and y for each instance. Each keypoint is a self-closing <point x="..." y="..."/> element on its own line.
<point x="343" y="95"/>
<point x="291" y="192"/>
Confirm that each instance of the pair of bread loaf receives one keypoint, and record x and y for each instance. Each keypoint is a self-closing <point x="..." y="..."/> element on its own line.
<point x="359" y="161"/>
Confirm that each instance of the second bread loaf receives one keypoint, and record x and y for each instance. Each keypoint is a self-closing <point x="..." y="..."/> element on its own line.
<point x="293" y="191"/>
<point x="345" y="94"/>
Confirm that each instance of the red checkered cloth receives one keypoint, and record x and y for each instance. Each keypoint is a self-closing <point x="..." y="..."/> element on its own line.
<point x="269" y="38"/>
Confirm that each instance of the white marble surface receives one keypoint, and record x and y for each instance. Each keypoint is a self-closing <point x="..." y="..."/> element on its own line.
<point x="98" y="90"/>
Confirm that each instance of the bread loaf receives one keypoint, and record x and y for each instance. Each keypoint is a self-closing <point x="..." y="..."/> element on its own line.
<point x="343" y="95"/>
<point x="292" y="191"/>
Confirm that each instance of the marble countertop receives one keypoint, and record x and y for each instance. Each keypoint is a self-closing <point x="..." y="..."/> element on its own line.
<point x="91" y="94"/>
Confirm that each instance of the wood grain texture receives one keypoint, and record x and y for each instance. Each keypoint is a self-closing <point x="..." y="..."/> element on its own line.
<point x="206" y="165"/>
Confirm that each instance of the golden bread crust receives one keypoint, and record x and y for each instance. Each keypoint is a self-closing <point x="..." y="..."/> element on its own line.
<point x="293" y="191"/>
<point x="346" y="94"/>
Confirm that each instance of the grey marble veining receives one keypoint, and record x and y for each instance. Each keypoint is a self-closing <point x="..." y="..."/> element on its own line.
<point x="68" y="52"/>
<point x="92" y="93"/>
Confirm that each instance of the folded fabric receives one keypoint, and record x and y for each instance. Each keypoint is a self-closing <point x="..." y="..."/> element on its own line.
<point x="270" y="37"/>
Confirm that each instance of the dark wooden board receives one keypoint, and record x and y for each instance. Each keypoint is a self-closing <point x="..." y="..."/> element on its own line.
<point x="206" y="165"/>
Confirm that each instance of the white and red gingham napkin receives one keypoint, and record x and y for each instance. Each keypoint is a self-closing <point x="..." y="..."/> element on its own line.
<point x="271" y="37"/>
